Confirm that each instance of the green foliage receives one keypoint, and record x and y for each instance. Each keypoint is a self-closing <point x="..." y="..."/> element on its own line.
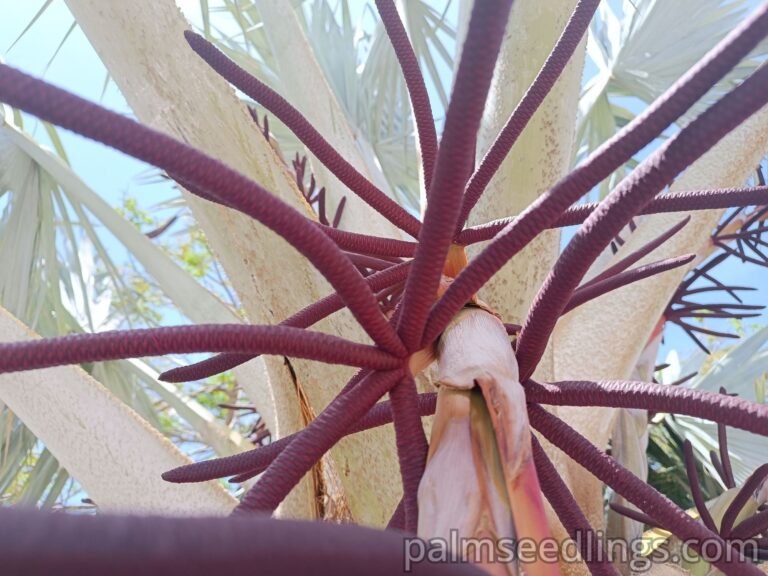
<point x="740" y="368"/>
<point x="666" y="467"/>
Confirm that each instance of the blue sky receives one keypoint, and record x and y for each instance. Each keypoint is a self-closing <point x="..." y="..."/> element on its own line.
<point x="78" y="69"/>
<point x="113" y="175"/>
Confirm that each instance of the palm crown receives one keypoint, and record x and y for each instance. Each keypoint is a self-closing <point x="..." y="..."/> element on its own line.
<point x="404" y="293"/>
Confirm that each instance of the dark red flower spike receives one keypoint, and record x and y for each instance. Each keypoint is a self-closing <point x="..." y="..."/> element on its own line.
<point x="74" y="113"/>
<point x="40" y="544"/>
<point x="698" y="497"/>
<point x="594" y="290"/>
<point x="663" y="203"/>
<point x="751" y="527"/>
<point x="255" y="461"/>
<point x="653" y="397"/>
<point x="705" y="271"/>
<point x="345" y="240"/>
<point x="741" y="534"/>
<point x="365" y="263"/>
<point x="545" y="211"/>
<point x="370" y="245"/>
<point x="681" y="308"/>
<point x="746" y="492"/>
<point x="635" y="490"/>
<point x="570" y="515"/>
<point x="344" y="257"/>
<point x="750" y="245"/>
<point x="232" y="338"/>
<point x="397" y="521"/>
<point x="412" y="446"/>
<point x="615" y="212"/>
<point x="414" y="81"/>
<point x="546" y="78"/>
<point x="452" y="169"/>
<point x="719" y="467"/>
<point x="315" y="440"/>
<point x="727" y="410"/>
<point x="747" y="528"/>
<point x="454" y="164"/>
<point x="638" y="254"/>
<point x="725" y="457"/>
<point x="633" y="514"/>
<point x="311" y="138"/>
<point x="739" y="235"/>
<point x="302" y="319"/>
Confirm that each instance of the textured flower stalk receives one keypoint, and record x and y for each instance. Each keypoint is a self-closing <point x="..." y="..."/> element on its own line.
<point x="481" y="441"/>
<point x="314" y="141"/>
<point x="663" y="203"/>
<point x="40" y="544"/>
<point x="544" y="82"/>
<point x="546" y="210"/>
<point x="232" y="338"/>
<point x="302" y="319"/>
<point x="417" y="89"/>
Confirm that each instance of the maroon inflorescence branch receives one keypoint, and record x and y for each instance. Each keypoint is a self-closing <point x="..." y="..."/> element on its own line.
<point x="748" y="528"/>
<point x="389" y="286"/>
